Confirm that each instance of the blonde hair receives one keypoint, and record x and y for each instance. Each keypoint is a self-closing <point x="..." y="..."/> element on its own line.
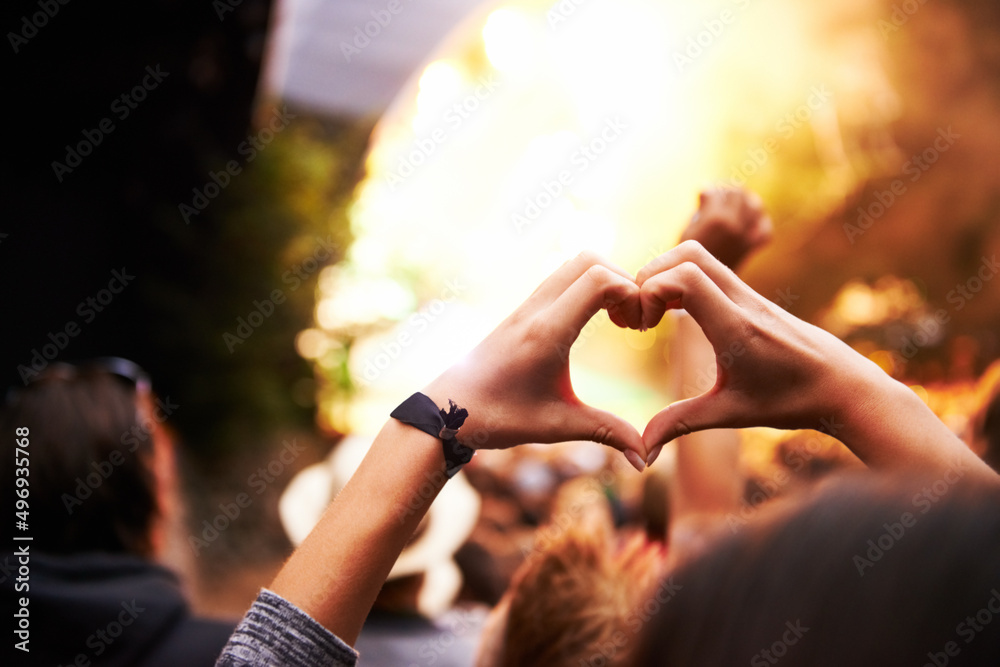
<point x="577" y="601"/>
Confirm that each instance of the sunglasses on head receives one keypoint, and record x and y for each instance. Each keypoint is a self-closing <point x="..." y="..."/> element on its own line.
<point x="124" y="369"/>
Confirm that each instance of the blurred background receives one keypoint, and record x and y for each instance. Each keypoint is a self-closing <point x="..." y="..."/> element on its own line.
<point x="325" y="204"/>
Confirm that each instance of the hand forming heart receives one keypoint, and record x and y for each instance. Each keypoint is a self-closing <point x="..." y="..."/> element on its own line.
<point x="516" y="383"/>
<point x="772" y="370"/>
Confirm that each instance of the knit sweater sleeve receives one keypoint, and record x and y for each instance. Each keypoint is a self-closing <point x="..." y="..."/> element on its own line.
<point x="276" y="633"/>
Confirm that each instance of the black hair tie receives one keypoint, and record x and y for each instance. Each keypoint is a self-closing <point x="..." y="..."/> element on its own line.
<point x="422" y="413"/>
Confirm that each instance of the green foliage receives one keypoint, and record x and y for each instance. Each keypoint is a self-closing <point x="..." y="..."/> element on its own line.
<point x="243" y="285"/>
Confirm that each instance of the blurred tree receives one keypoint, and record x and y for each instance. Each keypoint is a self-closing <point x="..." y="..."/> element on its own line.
<point x="930" y="213"/>
<point x="139" y="105"/>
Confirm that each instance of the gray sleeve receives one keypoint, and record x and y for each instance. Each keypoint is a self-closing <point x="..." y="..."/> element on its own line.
<point x="275" y="633"/>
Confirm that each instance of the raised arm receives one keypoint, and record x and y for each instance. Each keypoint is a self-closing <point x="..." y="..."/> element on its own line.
<point x="707" y="482"/>
<point x="776" y="370"/>
<point x="516" y="387"/>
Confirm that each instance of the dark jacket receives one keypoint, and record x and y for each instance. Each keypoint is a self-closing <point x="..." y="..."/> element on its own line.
<point x="104" y="609"/>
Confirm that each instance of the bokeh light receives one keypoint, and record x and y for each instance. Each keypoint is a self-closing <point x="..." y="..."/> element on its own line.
<point x="542" y="129"/>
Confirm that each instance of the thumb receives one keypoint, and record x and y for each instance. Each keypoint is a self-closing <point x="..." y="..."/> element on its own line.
<point x="710" y="410"/>
<point x="609" y="429"/>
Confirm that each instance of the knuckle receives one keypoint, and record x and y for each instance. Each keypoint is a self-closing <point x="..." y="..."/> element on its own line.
<point x="650" y="270"/>
<point x="681" y="428"/>
<point x="690" y="273"/>
<point x="588" y="258"/>
<point x="598" y="274"/>
<point x="691" y="249"/>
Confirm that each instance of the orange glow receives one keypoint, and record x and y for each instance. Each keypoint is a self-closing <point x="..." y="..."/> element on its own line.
<point x="540" y="131"/>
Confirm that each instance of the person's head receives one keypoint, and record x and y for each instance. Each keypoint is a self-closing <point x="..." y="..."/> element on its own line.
<point x="91" y="485"/>
<point x="578" y="598"/>
<point x="867" y="571"/>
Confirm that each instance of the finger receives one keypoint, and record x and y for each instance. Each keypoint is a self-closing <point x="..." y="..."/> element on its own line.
<point x="719" y="197"/>
<point x="762" y="233"/>
<point x="598" y="287"/>
<point x="714" y="409"/>
<point x="695" y="253"/>
<point x="692" y="251"/>
<point x="753" y="203"/>
<point x="619" y="318"/>
<point x="567" y="274"/>
<point x="688" y="287"/>
<point x="607" y="428"/>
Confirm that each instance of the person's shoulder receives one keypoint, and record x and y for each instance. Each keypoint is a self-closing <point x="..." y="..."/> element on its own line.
<point x="192" y="642"/>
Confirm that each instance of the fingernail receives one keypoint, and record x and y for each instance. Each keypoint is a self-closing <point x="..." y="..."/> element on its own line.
<point x="635" y="460"/>
<point x="653" y="454"/>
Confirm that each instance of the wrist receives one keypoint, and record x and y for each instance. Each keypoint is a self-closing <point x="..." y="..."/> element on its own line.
<point x="861" y="398"/>
<point x="474" y="432"/>
<point x="421" y="412"/>
<point x="888" y="426"/>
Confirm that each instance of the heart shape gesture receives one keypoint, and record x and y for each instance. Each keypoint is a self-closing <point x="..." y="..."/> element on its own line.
<point x="772" y="369"/>
<point x="516" y="383"/>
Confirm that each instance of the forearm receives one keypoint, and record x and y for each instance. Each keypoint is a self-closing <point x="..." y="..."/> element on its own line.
<point x="337" y="572"/>
<point x="889" y="428"/>
<point x="515" y="385"/>
<point x="785" y="373"/>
